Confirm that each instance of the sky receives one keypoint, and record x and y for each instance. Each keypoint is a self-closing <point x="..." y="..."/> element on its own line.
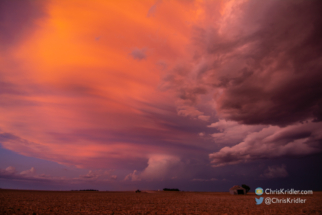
<point x="188" y="94"/>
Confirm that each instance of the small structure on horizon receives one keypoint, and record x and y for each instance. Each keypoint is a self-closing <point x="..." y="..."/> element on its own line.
<point x="171" y="189"/>
<point x="138" y="191"/>
<point x="237" y="190"/>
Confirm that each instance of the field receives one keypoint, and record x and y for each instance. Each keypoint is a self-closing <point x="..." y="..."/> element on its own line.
<point x="89" y="202"/>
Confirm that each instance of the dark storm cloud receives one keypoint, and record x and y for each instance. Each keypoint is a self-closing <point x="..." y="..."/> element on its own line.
<point x="17" y="18"/>
<point x="264" y="65"/>
<point x="282" y="83"/>
<point x="261" y="64"/>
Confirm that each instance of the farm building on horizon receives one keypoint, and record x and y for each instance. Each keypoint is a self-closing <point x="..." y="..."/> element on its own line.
<point x="237" y="190"/>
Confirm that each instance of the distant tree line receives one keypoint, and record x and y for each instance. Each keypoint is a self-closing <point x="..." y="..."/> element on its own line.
<point x="170" y="189"/>
<point x="85" y="190"/>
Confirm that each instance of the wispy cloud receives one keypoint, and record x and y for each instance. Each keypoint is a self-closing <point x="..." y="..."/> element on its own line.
<point x="138" y="54"/>
<point x="203" y="180"/>
<point x="153" y="8"/>
<point x="31" y="176"/>
<point x="275" y="172"/>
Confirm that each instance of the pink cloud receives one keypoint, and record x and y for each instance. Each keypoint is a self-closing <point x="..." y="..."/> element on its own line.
<point x="84" y="102"/>
<point x="272" y="142"/>
<point x="10" y="170"/>
<point x="231" y="132"/>
<point x="132" y="177"/>
<point x="159" y="167"/>
<point x="31" y="175"/>
<point x="29" y="172"/>
<point x="275" y="172"/>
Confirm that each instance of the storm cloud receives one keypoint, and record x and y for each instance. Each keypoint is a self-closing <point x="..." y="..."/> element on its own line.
<point x="262" y="64"/>
<point x="169" y="91"/>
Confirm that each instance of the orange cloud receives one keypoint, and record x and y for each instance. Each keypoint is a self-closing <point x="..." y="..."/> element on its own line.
<point x="81" y="93"/>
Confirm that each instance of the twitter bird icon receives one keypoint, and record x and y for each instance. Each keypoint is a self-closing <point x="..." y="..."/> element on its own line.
<point x="259" y="201"/>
